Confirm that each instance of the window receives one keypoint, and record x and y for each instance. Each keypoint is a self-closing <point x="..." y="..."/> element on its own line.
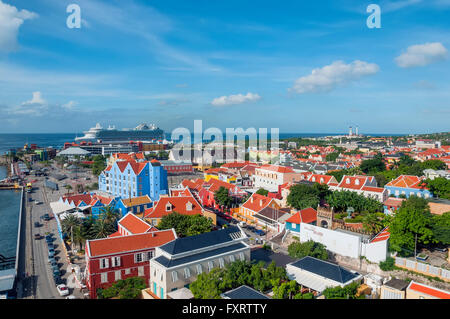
<point x="118" y="275"/>
<point x="168" y="207"/>
<point x="221" y="262"/>
<point x="115" y="261"/>
<point x="127" y="271"/>
<point x="210" y="265"/>
<point x="199" y="269"/>
<point x="232" y="258"/>
<point x="187" y="272"/>
<point x="174" y="276"/>
<point x="141" y="271"/>
<point x="104" y="277"/>
<point x="149" y="255"/>
<point x="104" y="263"/>
<point x="241" y="256"/>
<point x="138" y="258"/>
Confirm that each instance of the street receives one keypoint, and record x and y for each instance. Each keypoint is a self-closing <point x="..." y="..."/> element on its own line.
<point x="39" y="283"/>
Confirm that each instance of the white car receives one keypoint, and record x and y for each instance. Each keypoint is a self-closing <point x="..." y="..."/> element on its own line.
<point x="63" y="290"/>
<point x="71" y="297"/>
<point x="37" y="202"/>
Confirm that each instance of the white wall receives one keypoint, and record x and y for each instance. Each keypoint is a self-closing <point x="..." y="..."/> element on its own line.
<point x="343" y="243"/>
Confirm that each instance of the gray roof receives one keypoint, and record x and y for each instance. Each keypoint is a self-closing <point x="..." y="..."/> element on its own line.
<point x="244" y="292"/>
<point x="74" y="151"/>
<point x="169" y="263"/>
<point x="185" y="244"/>
<point x="397" y="284"/>
<point x="325" y="269"/>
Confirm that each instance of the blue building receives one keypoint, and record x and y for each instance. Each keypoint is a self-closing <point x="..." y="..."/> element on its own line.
<point x="408" y="185"/>
<point x="128" y="179"/>
<point x="307" y="216"/>
<point x="135" y="205"/>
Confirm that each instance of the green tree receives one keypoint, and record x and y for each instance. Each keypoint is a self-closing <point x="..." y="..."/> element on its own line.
<point x="303" y="196"/>
<point x="262" y="191"/>
<point x="439" y="186"/>
<point x="185" y="225"/>
<point x="440" y="225"/>
<point x="206" y="286"/>
<point x="372" y="223"/>
<point x="413" y="218"/>
<point x="70" y="224"/>
<point x="388" y="264"/>
<point x="99" y="164"/>
<point x="309" y="248"/>
<point x="129" y="288"/>
<point x="332" y="157"/>
<point x="373" y="165"/>
<point x="347" y="292"/>
<point x="222" y="197"/>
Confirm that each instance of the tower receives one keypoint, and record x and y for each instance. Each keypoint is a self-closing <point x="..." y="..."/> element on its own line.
<point x="356" y="131"/>
<point x="350" y="131"/>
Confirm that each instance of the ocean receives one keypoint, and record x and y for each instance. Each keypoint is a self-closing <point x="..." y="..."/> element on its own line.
<point x="57" y="140"/>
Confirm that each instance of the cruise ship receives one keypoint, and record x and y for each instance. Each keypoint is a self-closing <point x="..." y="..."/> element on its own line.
<point x="142" y="132"/>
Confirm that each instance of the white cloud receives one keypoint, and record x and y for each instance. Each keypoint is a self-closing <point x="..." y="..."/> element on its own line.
<point x="235" y="99"/>
<point x="330" y="76"/>
<point x="421" y="55"/>
<point x="10" y="21"/>
<point x="69" y="105"/>
<point x="37" y="99"/>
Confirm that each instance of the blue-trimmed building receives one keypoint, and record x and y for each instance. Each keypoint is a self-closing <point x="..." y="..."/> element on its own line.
<point x="408" y="185"/>
<point x="178" y="263"/>
<point x="307" y="216"/>
<point x="129" y="179"/>
<point x="135" y="205"/>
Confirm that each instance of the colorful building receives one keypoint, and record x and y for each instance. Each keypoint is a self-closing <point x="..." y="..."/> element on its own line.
<point x="307" y="216"/>
<point x="132" y="179"/>
<point x="408" y="185"/>
<point x="254" y="205"/>
<point x="111" y="259"/>
<point x="135" y="205"/>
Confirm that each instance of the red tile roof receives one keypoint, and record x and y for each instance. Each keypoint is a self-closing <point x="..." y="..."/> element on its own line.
<point x="77" y="199"/>
<point x="406" y="181"/>
<point x="121" y="244"/>
<point x="392" y="201"/>
<point x="134" y="224"/>
<point x="428" y="290"/>
<point x="178" y="204"/>
<point x="373" y="189"/>
<point x="276" y="168"/>
<point x="259" y="202"/>
<point x="321" y="179"/>
<point x="383" y="235"/>
<point x="307" y="215"/>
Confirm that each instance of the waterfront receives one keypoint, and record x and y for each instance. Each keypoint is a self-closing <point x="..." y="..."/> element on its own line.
<point x="3" y="172"/>
<point x="9" y="212"/>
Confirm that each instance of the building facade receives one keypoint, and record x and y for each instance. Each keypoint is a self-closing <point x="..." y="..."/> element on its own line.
<point x="129" y="179"/>
<point x="111" y="259"/>
<point x="178" y="263"/>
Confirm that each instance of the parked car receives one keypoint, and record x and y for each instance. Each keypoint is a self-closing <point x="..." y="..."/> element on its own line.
<point x="46" y="217"/>
<point x="51" y="259"/>
<point x="250" y="228"/>
<point x="242" y="224"/>
<point x="260" y="232"/>
<point x="51" y="253"/>
<point x="37" y="236"/>
<point x="37" y="202"/>
<point x="36" y="224"/>
<point x="62" y="290"/>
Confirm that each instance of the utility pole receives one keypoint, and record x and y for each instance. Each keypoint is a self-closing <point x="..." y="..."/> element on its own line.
<point x="415" y="248"/>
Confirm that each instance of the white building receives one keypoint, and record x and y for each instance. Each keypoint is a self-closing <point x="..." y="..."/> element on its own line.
<point x="178" y="263"/>
<point x="347" y="243"/>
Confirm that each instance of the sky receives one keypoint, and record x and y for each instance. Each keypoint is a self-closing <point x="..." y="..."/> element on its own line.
<point x="300" y="66"/>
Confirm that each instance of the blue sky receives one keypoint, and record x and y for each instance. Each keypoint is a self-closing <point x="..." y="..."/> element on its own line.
<point x="300" y="66"/>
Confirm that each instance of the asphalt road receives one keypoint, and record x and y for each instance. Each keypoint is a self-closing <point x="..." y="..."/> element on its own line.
<point x="39" y="282"/>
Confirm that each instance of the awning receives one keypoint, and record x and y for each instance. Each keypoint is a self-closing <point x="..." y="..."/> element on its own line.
<point x="310" y="281"/>
<point x="60" y="207"/>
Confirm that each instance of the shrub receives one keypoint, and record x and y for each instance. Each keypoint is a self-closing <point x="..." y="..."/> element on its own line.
<point x="388" y="264"/>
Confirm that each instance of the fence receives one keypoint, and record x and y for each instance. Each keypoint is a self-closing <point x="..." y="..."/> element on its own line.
<point x="423" y="268"/>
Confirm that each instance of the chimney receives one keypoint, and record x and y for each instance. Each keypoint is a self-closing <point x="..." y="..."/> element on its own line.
<point x="251" y="199"/>
<point x="260" y="202"/>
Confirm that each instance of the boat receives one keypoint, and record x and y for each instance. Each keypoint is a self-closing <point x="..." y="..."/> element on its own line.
<point x="142" y="132"/>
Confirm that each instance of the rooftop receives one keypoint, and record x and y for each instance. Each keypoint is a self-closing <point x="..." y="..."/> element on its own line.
<point x="186" y="244"/>
<point x="243" y="292"/>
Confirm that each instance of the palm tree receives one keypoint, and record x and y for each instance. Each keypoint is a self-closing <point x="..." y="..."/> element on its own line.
<point x="109" y="214"/>
<point x="79" y="236"/>
<point x="69" y="223"/>
<point x="68" y="187"/>
<point x="102" y="229"/>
